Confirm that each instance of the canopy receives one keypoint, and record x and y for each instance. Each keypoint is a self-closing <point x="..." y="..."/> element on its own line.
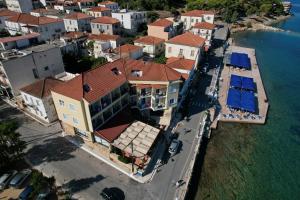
<point x="240" y="60"/>
<point x="234" y="98"/>
<point x="247" y="101"/>
<point x="242" y="82"/>
<point x="242" y="100"/>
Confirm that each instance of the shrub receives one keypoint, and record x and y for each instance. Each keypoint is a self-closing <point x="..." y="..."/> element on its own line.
<point x="124" y="159"/>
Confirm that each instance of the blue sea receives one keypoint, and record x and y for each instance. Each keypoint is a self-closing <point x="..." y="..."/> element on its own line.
<point x="262" y="161"/>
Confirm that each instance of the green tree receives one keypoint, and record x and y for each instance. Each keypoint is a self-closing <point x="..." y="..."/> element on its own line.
<point x="152" y="16"/>
<point x="11" y="146"/>
<point x="161" y="59"/>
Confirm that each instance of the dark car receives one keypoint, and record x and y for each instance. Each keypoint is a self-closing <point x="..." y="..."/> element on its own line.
<point x="112" y="194"/>
<point x="19" y="178"/>
<point x="26" y="193"/>
<point x="6" y="178"/>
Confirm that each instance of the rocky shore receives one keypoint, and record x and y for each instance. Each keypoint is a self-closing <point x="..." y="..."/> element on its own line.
<point x="258" y="23"/>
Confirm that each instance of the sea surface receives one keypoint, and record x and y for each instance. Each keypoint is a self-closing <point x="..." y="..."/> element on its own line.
<point x="262" y="161"/>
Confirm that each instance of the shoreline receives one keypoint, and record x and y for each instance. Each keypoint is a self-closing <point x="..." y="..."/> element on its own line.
<point x="258" y="23"/>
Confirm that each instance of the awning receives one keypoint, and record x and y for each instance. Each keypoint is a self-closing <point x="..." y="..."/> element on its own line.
<point x="240" y="60"/>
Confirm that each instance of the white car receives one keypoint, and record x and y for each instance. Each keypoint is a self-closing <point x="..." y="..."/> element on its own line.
<point x="6" y="178"/>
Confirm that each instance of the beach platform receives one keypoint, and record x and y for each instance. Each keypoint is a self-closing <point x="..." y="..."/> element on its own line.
<point x="229" y="115"/>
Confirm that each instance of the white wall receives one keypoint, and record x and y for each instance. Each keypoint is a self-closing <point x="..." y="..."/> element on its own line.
<point x="24" y="6"/>
<point x="152" y="50"/>
<point x="42" y="108"/>
<point x="189" y="22"/>
<point x="204" y="33"/>
<point x="187" y="50"/>
<point x="77" y="25"/>
<point x="130" y="20"/>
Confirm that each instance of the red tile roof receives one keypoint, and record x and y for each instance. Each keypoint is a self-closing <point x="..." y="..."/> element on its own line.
<point x="115" y="126"/>
<point x="103" y="37"/>
<point x="16" y="38"/>
<point x="162" y="22"/>
<point x="7" y="13"/>
<point x="149" y="40"/>
<point x="197" y="13"/>
<point x="98" y="86"/>
<point x="98" y="9"/>
<point x="41" y="88"/>
<point x="105" y="20"/>
<point x="150" y="71"/>
<point x="109" y="80"/>
<point x="77" y="16"/>
<point x="127" y="48"/>
<point x="180" y="63"/>
<point x="187" y="39"/>
<point x="204" y="25"/>
<point x="25" y="18"/>
<point x="106" y="2"/>
<point x="74" y="35"/>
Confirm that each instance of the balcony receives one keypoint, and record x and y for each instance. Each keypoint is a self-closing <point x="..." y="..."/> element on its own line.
<point x="145" y="92"/>
<point x="159" y="93"/>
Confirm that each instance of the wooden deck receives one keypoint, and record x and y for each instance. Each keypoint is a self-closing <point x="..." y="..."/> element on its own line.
<point x="262" y="100"/>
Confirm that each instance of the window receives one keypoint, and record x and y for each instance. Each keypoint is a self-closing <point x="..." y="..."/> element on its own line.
<point x="70" y="22"/>
<point x="46" y="68"/>
<point x="180" y="51"/>
<point x="37" y="102"/>
<point x="192" y="20"/>
<point x="75" y="120"/>
<point x="35" y="73"/>
<point x="61" y="102"/>
<point x="172" y="101"/>
<point x="192" y="52"/>
<point x="25" y="96"/>
<point x="170" y="49"/>
<point x="72" y="107"/>
<point x="65" y="116"/>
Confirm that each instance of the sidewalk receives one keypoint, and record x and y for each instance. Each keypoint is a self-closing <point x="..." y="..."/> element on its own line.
<point x="97" y="154"/>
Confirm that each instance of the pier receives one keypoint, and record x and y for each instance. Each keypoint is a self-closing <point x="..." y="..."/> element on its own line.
<point x="226" y="114"/>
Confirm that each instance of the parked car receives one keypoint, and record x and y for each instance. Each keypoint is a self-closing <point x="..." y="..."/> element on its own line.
<point x="205" y="67"/>
<point x="174" y="147"/>
<point x="44" y="194"/>
<point x="26" y="193"/>
<point x="6" y="178"/>
<point x="19" y="178"/>
<point x="110" y="194"/>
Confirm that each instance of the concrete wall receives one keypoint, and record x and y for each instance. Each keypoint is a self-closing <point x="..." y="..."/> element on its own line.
<point x="158" y="31"/>
<point x="111" y="29"/>
<point x="22" y="6"/>
<point x="173" y="50"/>
<point x="77" y="25"/>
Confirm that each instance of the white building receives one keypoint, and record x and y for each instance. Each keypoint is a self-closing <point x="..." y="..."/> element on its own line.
<point x="49" y="28"/>
<point x="4" y="14"/>
<point x="21" y="6"/>
<point x="99" y="11"/>
<point x="106" y="25"/>
<point x="77" y="22"/>
<point x="38" y="101"/>
<point x="193" y="17"/>
<point x="21" y="68"/>
<point x="126" y="51"/>
<point x="47" y="13"/>
<point x="19" y="42"/>
<point x="102" y="43"/>
<point x="187" y="45"/>
<point x="204" y="30"/>
<point x="85" y="4"/>
<point x="130" y="20"/>
<point x="114" y="6"/>
<point x="151" y="45"/>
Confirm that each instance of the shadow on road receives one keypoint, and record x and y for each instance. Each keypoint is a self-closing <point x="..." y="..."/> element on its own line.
<point x="51" y="150"/>
<point x="77" y="185"/>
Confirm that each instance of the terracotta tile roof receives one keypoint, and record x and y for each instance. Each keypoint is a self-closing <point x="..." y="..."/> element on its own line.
<point x="149" y="40"/>
<point x="115" y="126"/>
<point x="74" y="35"/>
<point x="77" y="16"/>
<point x="98" y="9"/>
<point x="106" y="3"/>
<point x="41" y="88"/>
<point x="127" y="48"/>
<point x="162" y="22"/>
<point x="105" y="20"/>
<point x="150" y="71"/>
<point x="180" y="63"/>
<point x="83" y="1"/>
<point x="25" y="18"/>
<point x="204" y="25"/>
<point x="7" y="13"/>
<point x="187" y="39"/>
<point x="97" y="86"/>
<point x="197" y="13"/>
<point x="109" y="80"/>
<point x="22" y="37"/>
<point x="103" y="37"/>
